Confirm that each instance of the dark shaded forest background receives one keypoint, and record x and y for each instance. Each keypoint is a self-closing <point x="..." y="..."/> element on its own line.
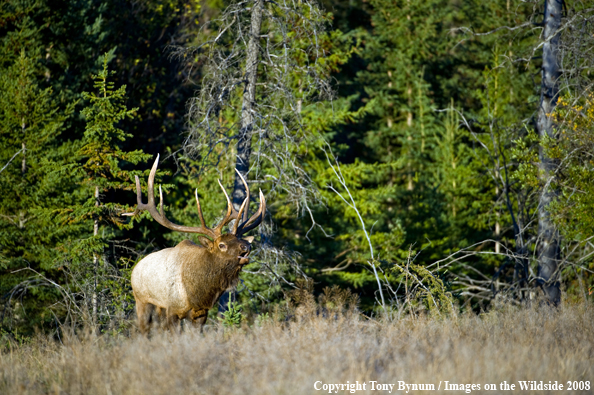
<point x="409" y="169"/>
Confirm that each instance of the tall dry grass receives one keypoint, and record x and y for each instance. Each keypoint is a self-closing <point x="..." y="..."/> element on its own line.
<point x="289" y="357"/>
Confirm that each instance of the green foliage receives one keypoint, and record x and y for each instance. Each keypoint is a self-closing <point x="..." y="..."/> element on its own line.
<point x="423" y="287"/>
<point x="409" y="168"/>
<point x="262" y="319"/>
<point x="8" y="340"/>
<point x="233" y="316"/>
<point x="31" y="122"/>
<point x="574" y="208"/>
<point x="430" y="124"/>
<point x="100" y="156"/>
<point x="102" y="279"/>
<point x="48" y="211"/>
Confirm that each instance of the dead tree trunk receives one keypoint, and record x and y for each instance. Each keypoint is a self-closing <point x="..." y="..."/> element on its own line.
<point x="247" y="108"/>
<point x="547" y="248"/>
<point x="95" y="268"/>
<point x="244" y="140"/>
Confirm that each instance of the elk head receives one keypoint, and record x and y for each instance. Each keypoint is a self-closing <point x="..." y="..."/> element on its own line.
<point x="186" y="281"/>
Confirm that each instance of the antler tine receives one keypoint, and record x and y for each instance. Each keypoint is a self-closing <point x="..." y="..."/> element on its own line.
<point x="161" y="211"/>
<point x="231" y="212"/>
<point x="200" y="216"/>
<point x="245" y="201"/>
<point x="151" y="185"/>
<point x="247" y="193"/>
<point x="140" y="206"/>
<point x="255" y="219"/>
<point x="160" y="216"/>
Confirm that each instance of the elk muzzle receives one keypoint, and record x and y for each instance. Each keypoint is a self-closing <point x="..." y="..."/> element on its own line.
<point x="243" y="256"/>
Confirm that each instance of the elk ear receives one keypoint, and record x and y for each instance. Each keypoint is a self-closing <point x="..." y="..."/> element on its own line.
<point x="249" y="239"/>
<point x="205" y="241"/>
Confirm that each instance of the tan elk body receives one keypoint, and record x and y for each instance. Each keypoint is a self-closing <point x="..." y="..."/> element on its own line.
<point x="185" y="281"/>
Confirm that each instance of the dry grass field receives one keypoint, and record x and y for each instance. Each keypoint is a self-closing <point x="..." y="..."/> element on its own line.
<point x="509" y="345"/>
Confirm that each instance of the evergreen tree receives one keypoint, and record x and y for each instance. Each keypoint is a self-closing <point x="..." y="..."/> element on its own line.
<point x="63" y="40"/>
<point x="97" y="169"/>
<point x="393" y="177"/>
<point x="30" y="126"/>
<point x="419" y="170"/>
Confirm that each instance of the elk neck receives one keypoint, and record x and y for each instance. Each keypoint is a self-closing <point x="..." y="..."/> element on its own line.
<point x="205" y="274"/>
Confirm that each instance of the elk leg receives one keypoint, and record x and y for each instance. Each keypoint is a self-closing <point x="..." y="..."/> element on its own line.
<point x="198" y="318"/>
<point x="161" y="314"/>
<point x="144" y="312"/>
<point x="173" y="321"/>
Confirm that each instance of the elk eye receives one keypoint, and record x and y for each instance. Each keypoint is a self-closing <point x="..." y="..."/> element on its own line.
<point x="222" y="247"/>
<point x="244" y="248"/>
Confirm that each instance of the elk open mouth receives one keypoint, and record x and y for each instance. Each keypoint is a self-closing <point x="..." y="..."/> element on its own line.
<point x="243" y="258"/>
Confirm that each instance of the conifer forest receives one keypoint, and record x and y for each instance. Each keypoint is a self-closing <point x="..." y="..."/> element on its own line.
<point x="417" y="158"/>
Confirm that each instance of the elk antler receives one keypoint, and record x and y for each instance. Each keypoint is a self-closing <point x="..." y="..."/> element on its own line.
<point x="249" y="224"/>
<point x="255" y="219"/>
<point x="160" y="216"/>
<point x="232" y="213"/>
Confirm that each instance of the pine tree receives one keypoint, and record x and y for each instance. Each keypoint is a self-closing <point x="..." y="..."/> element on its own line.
<point x="414" y="161"/>
<point x="393" y="177"/>
<point x="30" y="125"/>
<point x="97" y="168"/>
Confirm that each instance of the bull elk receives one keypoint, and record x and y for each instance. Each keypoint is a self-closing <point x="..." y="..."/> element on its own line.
<point x="185" y="281"/>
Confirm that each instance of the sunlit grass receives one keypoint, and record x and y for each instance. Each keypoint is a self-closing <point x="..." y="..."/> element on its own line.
<point x="288" y="357"/>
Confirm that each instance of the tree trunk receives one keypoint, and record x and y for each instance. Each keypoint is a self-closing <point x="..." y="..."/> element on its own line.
<point x="244" y="140"/>
<point x="247" y="108"/>
<point x="24" y="161"/>
<point x="95" y="266"/>
<point x="548" y="251"/>
<point x="24" y="148"/>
